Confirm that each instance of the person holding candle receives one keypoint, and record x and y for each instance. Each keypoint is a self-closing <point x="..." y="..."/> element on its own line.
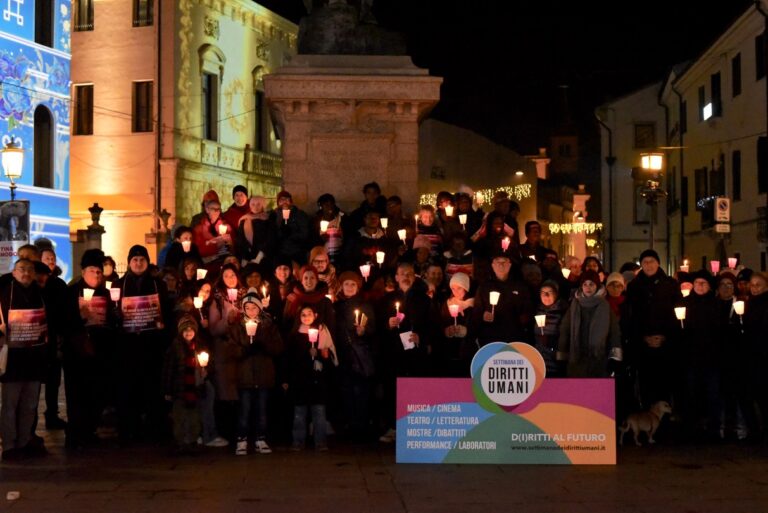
<point x="592" y="263"/>
<point x="532" y="246"/>
<point x="408" y="325"/>
<point x="652" y="328"/>
<point x="292" y="227"/>
<point x="742" y="284"/>
<point x="182" y="382"/>
<point x="701" y="358"/>
<point x="141" y="348"/>
<point x="553" y="308"/>
<point x="429" y="226"/>
<point x="310" y="356"/>
<point x="590" y="340"/>
<point x="365" y="243"/>
<point x="180" y="249"/>
<point x="255" y="372"/>
<point x="458" y="258"/>
<point x="88" y="349"/>
<point x="453" y="351"/>
<point x="187" y="286"/>
<point x="374" y="201"/>
<point x="355" y="334"/>
<point x="327" y="227"/>
<point x="256" y="236"/>
<point x="223" y="312"/>
<point x="213" y="237"/>
<point x="309" y="291"/>
<point x="326" y="271"/>
<point x="504" y="321"/>
<point x="474" y="219"/>
<point x="755" y="329"/>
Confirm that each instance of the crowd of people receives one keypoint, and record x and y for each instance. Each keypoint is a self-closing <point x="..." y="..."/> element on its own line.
<point x="260" y="326"/>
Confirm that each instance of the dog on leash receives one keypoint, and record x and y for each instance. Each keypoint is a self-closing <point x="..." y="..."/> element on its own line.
<point x="645" y="421"/>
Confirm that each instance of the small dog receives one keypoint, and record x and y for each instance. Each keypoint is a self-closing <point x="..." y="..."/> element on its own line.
<point x="645" y="421"/>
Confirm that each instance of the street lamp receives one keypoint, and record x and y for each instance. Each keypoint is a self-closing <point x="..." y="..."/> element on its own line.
<point x="652" y="164"/>
<point x="13" y="160"/>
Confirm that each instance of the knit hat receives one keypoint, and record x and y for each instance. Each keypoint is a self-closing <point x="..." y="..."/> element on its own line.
<point x="283" y="260"/>
<point x="590" y="275"/>
<point x="138" y="250"/>
<point x="210" y="196"/>
<point x="186" y="321"/>
<point x="41" y="268"/>
<point x="283" y="194"/>
<point x="726" y="276"/>
<point x="92" y="258"/>
<point x="252" y="297"/>
<point x="239" y="188"/>
<point x="615" y="277"/>
<point x="460" y="279"/>
<point x="351" y="276"/>
<point x="744" y="275"/>
<point x="703" y="274"/>
<point x="422" y="241"/>
<point x="551" y="284"/>
<point x="650" y="253"/>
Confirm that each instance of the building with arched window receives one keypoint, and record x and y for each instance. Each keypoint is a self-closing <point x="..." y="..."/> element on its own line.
<point x="34" y="111"/>
<point x="169" y="103"/>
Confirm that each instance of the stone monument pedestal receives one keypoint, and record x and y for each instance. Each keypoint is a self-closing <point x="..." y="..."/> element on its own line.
<point x="345" y="120"/>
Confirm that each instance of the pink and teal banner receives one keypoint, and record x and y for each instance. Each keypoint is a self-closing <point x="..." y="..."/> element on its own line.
<point x="507" y="412"/>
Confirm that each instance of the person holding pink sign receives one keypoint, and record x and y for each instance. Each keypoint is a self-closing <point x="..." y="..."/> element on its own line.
<point x="310" y="356"/>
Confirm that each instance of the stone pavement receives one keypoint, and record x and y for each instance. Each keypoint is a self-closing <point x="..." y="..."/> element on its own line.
<point x="359" y="478"/>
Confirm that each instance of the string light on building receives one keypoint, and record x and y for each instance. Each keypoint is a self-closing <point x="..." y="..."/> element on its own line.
<point x="567" y="228"/>
<point x="517" y="192"/>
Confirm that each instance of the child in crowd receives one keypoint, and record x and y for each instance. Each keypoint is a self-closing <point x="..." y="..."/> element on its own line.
<point x="311" y="354"/>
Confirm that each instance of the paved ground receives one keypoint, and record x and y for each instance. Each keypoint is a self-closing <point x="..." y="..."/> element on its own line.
<point x="358" y="478"/>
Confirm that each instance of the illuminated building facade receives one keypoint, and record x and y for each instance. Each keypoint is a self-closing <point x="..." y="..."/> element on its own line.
<point x="34" y="110"/>
<point x="168" y="103"/>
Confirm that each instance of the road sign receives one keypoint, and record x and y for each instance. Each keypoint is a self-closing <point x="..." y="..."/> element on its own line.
<point x="723" y="210"/>
<point x="722" y="228"/>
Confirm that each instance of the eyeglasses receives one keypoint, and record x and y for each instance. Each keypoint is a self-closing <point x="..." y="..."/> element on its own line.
<point x="545" y="293"/>
<point x="319" y="261"/>
<point x="726" y="285"/>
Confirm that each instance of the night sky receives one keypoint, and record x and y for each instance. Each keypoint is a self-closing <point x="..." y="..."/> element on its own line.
<point x="502" y="61"/>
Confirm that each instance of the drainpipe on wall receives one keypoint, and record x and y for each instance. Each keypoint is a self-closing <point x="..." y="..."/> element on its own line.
<point x="159" y="125"/>
<point x="682" y="172"/>
<point x="666" y="205"/>
<point x="610" y="160"/>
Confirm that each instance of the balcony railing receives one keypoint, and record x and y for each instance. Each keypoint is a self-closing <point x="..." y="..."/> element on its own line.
<point x="239" y="159"/>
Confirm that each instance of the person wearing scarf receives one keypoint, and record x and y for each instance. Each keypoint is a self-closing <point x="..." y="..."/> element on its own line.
<point x="326" y="272"/>
<point x="255" y="237"/>
<point x="589" y="334"/>
<point x="454" y="350"/>
<point x="240" y="206"/>
<point x="141" y="347"/>
<point x="309" y="291"/>
<point x="211" y="244"/>
<point x="333" y="236"/>
<point x="546" y="339"/>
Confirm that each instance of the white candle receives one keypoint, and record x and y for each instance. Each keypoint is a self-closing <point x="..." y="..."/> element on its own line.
<point x="222" y="229"/>
<point x="108" y="284"/>
<point x="201" y="274"/>
<point x="566" y="273"/>
<point x="715" y="266"/>
<point x="685" y="292"/>
<point x="401" y="234"/>
<point x="313" y="332"/>
<point x="365" y="270"/>
<point x="684" y="268"/>
<point x="416" y="219"/>
<point x="357" y="317"/>
<point x="494" y="299"/>
<point x="505" y="243"/>
<point x="286" y="215"/>
<point x="232" y="295"/>
<point x="384" y="222"/>
<point x="114" y="294"/>
<point x="264" y="291"/>
<point x="449" y="210"/>
<point x="250" y="327"/>
<point x="324" y="226"/>
<point x="454" y="311"/>
<point x="202" y="358"/>
<point x="738" y="307"/>
<point x="463" y="219"/>
<point x="198" y="302"/>
<point x="380" y="257"/>
<point x="397" y="307"/>
<point x="186" y="245"/>
<point x="732" y="262"/>
<point x="680" y="314"/>
<point x="88" y="294"/>
<point x="541" y="321"/>
<point x="329" y="297"/>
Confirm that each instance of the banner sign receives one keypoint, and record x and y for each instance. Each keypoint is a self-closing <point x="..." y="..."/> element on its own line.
<point x="507" y="412"/>
<point x="141" y="313"/>
<point x="27" y="328"/>
<point x="14" y="231"/>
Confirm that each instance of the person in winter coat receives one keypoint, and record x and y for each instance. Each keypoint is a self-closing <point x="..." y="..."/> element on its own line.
<point x="255" y="239"/>
<point x="257" y="342"/>
<point x="310" y="355"/>
<point x="292" y="228"/>
<point x="330" y="217"/>
<point x="355" y="336"/>
<point x="213" y="237"/>
<point x="590" y="340"/>
<point x="454" y="348"/>
<point x="546" y="339"/>
<point x="755" y="329"/>
<point x="239" y="207"/>
<point x="181" y="248"/>
<point x="309" y="291"/>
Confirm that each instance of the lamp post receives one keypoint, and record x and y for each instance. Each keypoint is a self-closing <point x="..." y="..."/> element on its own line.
<point x="13" y="160"/>
<point x="652" y="165"/>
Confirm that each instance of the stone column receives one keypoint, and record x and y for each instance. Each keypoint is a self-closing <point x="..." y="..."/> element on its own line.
<point x="346" y="120"/>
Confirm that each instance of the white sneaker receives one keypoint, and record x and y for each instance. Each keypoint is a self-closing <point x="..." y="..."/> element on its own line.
<point x="262" y="447"/>
<point x="388" y="437"/>
<point x="218" y="442"/>
<point x="242" y="447"/>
